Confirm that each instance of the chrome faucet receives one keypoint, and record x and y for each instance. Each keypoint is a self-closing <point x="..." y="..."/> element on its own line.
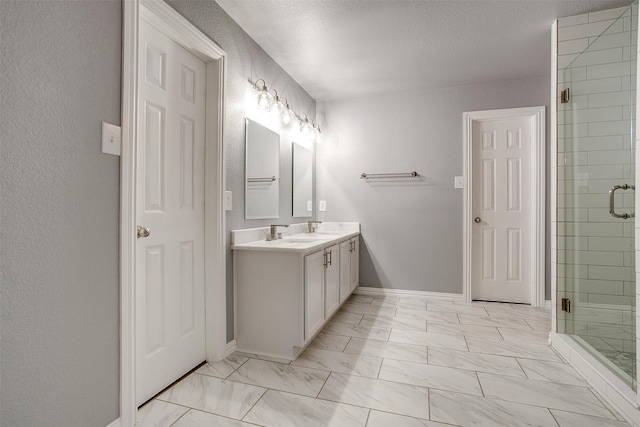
<point x="310" y="227"/>
<point x="274" y="235"/>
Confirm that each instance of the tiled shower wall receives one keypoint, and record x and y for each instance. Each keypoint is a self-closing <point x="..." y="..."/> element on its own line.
<point x="595" y="260"/>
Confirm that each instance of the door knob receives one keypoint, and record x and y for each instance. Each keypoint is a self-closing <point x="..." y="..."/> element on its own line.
<point x="143" y="232"/>
<point x="477" y="220"/>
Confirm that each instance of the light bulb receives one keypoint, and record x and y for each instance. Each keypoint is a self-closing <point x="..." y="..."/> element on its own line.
<point x="277" y="108"/>
<point x="305" y="128"/>
<point x="287" y="116"/>
<point x="264" y="97"/>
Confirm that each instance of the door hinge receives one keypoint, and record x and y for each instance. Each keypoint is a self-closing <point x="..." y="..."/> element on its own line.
<point x="566" y="305"/>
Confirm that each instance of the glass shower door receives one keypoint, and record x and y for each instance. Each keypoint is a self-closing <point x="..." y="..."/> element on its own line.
<point x="596" y="197"/>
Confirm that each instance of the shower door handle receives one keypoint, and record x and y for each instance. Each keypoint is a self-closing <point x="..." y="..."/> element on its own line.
<point x="612" y="193"/>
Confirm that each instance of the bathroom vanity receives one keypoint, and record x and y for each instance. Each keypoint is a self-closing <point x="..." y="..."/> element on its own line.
<point x="287" y="289"/>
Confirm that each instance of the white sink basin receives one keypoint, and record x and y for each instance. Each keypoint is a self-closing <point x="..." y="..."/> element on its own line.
<point x="324" y="234"/>
<point x="297" y="241"/>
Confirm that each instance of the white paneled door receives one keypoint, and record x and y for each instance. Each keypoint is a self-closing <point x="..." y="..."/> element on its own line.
<point x="502" y="217"/>
<point x="170" y="338"/>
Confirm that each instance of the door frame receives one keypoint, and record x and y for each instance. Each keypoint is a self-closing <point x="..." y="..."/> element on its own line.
<point x="536" y="194"/>
<point x="177" y="28"/>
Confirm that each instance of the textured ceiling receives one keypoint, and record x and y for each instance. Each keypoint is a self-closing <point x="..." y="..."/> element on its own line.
<point x="340" y="49"/>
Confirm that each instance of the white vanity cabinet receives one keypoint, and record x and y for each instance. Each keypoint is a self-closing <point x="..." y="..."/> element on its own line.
<point x="331" y="280"/>
<point x="322" y="288"/>
<point x="349" y="267"/>
<point x="355" y="263"/>
<point x="286" y="291"/>
<point x="314" y="293"/>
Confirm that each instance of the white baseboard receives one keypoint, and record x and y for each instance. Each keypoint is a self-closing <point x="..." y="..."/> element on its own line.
<point x="407" y="293"/>
<point x="230" y="349"/>
<point x="115" y="423"/>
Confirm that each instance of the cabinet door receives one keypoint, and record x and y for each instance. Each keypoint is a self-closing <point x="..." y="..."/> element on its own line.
<point x="332" y="280"/>
<point x="355" y="262"/>
<point x="345" y="269"/>
<point x="313" y="293"/>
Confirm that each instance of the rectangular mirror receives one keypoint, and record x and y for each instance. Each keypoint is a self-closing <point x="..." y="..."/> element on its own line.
<point x="302" y="181"/>
<point x="262" y="173"/>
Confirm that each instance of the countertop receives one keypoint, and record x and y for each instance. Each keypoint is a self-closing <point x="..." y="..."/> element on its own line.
<point x="300" y="242"/>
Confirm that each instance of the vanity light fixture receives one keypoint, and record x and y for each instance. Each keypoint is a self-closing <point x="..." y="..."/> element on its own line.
<point x="265" y="99"/>
<point x="273" y="103"/>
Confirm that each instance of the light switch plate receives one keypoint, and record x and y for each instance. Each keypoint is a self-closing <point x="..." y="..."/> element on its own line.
<point x="322" y="205"/>
<point x="228" y="200"/>
<point x="458" y="182"/>
<point x="111" y="139"/>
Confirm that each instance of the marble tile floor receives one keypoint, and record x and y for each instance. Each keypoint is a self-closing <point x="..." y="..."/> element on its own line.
<point x="397" y="362"/>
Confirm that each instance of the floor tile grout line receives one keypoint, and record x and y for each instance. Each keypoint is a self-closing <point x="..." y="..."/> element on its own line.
<point x="412" y="417"/>
<point x="181" y="416"/>
<point x="370" y="408"/>
<point x="429" y="402"/>
<point x="380" y="368"/>
<point x="618" y="418"/>
<point x="553" y="416"/>
<point x="324" y="384"/>
<point x="191" y="409"/>
<point x="308" y="397"/>
<point x="480" y="383"/>
<point x="347" y="345"/>
<point x="492" y="398"/>
<point x="609" y="407"/>
<point x="171" y="403"/>
<point x="590" y="389"/>
<point x="255" y="403"/>
<point x="522" y="368"/>
<point x="368" y="415"/>
<point x="241" y="365"/>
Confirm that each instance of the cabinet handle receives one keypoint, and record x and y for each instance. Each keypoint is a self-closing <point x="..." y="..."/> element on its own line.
<point x="324" y="259"/>
<point x="353" y="245"/>
<point x="330" y="257"/>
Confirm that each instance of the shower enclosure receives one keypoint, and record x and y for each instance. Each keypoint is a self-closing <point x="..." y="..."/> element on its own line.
<point x="596" y="197"/>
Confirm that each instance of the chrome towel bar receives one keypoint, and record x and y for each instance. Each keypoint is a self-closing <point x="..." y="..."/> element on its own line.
<point x="268" y="179"/>
<point x="389" y="175"/>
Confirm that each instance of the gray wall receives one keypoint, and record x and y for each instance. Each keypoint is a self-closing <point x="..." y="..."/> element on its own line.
<point x="411" y="231"/>
<point x="59" y="349"/>
<point x="60" y="68"/>
<point x="245" y="61"/>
